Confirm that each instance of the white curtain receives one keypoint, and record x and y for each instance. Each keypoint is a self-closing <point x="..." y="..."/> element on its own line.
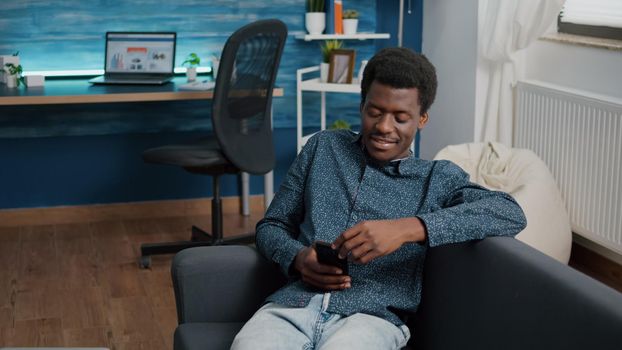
<point x="506" y="27"/>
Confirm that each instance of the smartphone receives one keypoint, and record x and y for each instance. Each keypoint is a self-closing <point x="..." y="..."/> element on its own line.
<point x="329" y="256"/>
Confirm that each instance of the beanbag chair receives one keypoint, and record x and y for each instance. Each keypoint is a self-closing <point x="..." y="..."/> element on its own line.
<point x="522" y="174"/>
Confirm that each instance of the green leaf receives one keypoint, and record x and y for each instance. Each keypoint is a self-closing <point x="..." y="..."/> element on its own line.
<point x="13" y="69"/>
<point x="339" y="124"/>
<point x="193" y="60"/>
<point x="328" y="47"/>
<point x="350" y="14"/>
<point x="315" y="5"/>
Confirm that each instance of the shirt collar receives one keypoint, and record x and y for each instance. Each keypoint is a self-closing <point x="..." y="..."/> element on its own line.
<point x="405" y="166"/>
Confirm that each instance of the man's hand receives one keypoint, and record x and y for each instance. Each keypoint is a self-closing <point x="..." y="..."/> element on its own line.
<point x="368" y="240"/>
<point x="325" y="277"/>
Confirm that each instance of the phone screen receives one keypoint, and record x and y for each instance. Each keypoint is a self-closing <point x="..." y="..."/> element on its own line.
<point x="328" y="256"/>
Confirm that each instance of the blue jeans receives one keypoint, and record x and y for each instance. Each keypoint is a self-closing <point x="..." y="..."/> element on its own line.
<point x="281" y="327"/>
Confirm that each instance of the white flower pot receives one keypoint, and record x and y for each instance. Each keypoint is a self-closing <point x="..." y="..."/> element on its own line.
<point x="315" y="22"/>
<point x="191" y="73"/>
<point x="350" y="26"/>
<point x="4" y="71"/>
<point x="324" y="72"/>
<point x="11" y="81"/>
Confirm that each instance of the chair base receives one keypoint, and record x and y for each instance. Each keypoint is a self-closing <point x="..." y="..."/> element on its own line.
<point x="199" y="238"/>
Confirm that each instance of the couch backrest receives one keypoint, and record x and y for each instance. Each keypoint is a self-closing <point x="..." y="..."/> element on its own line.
<point x="499" y="293"/>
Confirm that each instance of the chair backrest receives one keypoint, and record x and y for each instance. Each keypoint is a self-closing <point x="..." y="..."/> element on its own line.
<point x="243" y="95"/>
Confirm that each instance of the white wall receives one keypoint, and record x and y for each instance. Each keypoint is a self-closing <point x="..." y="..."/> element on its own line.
<point x="592" y="69"/>
<point x="449" y="41"/>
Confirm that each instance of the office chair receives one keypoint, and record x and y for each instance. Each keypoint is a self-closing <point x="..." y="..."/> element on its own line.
<point x="242" y="140"/>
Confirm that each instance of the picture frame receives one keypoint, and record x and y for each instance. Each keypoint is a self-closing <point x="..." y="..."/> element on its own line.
<point x="341" y="66"/>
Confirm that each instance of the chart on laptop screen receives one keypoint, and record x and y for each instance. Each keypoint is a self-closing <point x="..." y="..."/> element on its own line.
<point x="140" y="52"/>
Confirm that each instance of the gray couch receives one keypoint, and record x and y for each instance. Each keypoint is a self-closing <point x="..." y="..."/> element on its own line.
<point x="497" y="293"/>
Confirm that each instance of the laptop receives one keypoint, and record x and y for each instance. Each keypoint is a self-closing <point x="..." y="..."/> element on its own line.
<point x="138" y="58"/>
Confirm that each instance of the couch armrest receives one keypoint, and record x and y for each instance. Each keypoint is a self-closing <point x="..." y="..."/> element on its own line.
<point x="221" y="283"/>
<point x="499" y="293"/>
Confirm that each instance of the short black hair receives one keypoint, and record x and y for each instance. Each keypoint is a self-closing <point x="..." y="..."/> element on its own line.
<point x="401" y="68"/>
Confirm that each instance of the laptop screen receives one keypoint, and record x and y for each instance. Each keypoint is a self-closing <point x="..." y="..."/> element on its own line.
<point x="140" y="52"/>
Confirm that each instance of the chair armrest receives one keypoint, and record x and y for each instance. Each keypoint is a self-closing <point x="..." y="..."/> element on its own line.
<point x="499" y="293"/>
<point x="221" y="283"/>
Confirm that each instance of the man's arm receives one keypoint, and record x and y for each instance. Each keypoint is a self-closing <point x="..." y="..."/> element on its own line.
<point x="277" y="232"/>
<point x="371" y="239"/>
<point x="464" y="212"/>
<point x="469" y="211"/>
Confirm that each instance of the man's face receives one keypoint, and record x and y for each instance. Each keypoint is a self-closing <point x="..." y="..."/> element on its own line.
<point x="390" y="118"/>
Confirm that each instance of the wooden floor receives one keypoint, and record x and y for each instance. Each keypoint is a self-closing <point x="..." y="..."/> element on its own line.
<point x="596" y="266"/>
<point x="80" y="284"/>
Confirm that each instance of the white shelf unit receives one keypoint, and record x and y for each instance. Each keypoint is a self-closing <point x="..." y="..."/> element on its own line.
<point x="357" y="36"/>
<point x="314" y="84"/>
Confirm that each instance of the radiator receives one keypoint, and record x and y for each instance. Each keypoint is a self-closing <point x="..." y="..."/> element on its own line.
<point x="579" y="136"/>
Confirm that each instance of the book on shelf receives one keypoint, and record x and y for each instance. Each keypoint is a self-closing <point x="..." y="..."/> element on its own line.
<point x="338" y="17"/>
<point x="329" y="7"/>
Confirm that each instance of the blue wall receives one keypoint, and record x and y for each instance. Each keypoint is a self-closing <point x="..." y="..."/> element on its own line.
<point x="386" y="22"/>
<point x="70" y="155"/>
<point x="73" y="170"/>
<point x="69" y="34"/>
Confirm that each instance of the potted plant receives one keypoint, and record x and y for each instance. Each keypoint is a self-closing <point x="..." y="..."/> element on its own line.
<point x="315" y="18"/>
<point x="327" y="48"/>
<point x="350" y="21"/>
<point x="14" y="75"/>
<point x="11" y="70"/>
<point x="340" y="124"/>
<point x="193" y="62"/>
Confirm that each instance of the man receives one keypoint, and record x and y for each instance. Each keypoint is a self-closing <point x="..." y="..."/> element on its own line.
<point x="380" y="207"/>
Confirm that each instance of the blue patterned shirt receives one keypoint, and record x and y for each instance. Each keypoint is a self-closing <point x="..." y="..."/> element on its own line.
<point x="333" y="184"/>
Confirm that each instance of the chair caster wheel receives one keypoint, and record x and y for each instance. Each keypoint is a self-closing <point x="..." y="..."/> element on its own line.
<point x="145" y="262"/>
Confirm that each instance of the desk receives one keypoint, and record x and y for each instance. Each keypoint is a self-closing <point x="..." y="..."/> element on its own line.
<point x="76" y="91"/>
<point x="79" y="91"/>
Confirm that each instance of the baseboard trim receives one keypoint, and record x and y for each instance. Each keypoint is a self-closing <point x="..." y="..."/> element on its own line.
<point x="597" y="248"/>
<point x="122" y="211"/>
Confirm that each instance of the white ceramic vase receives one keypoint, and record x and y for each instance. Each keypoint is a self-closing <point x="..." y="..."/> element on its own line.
<point x="350" y="26"/>
<point x="191" y="73"/>
<point x="315" y="22"/>
<point x="4" y="71"/>
<point x="324" y="72"/>
<point x="11" y="81"/>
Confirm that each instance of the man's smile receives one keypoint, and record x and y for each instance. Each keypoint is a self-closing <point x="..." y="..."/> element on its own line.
<point x="382" y="142"/>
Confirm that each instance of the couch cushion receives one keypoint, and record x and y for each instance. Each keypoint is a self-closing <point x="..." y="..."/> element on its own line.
<point x="207" y="335"/>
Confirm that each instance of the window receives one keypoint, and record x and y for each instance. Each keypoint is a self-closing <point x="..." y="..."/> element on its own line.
<point x="599" y="18"/>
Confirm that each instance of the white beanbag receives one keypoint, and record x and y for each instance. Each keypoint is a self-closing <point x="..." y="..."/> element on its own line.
<point x="522" y="174"/>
